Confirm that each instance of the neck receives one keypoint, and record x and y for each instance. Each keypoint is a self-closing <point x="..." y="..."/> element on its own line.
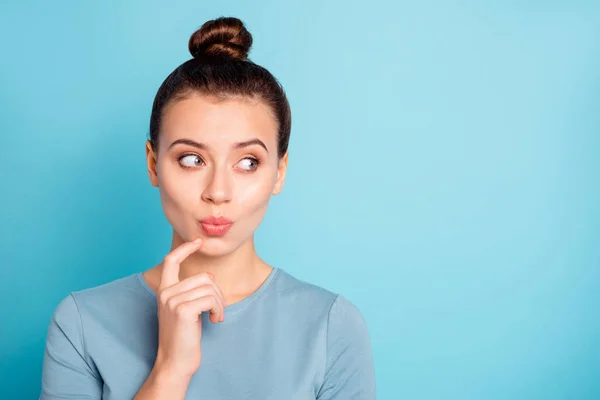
<point x="237" y="273"/>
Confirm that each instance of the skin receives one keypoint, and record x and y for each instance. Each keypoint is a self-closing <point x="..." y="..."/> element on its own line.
<point x="220" y="180"/>
<point x="214" y="177"/>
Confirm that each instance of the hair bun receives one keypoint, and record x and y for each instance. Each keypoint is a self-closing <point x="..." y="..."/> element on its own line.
<point x="224" y="37"/>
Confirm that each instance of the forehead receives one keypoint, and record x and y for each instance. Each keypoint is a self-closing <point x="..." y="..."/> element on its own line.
<point x="218" y="123"/>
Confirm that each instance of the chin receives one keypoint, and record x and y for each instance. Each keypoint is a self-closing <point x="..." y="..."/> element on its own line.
<point x="216" y="247"/>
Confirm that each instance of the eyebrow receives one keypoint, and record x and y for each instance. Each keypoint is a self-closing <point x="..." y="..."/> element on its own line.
<point x="202" y="146"/>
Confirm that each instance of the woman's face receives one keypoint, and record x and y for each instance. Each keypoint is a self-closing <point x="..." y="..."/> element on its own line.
<point x="216" y="159"/>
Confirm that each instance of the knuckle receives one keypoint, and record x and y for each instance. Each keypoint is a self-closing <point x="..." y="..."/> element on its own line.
<point x="171" y="304"/>
<point x="206" y="276"/>
<point x="170" y="258"/>
<point x="163" y="297"/>
<point x="181" y="310"/>
<point x="214" y="303"/>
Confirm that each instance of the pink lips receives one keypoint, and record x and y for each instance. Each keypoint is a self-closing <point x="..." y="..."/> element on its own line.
<point x="214" y="226"/>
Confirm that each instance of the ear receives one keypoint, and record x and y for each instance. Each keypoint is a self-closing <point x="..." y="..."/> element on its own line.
<point x="151" y="163"/>
<point x="281" y="170"/>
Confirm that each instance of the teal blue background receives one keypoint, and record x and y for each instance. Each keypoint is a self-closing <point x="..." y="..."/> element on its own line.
<point x="444" y="176"/>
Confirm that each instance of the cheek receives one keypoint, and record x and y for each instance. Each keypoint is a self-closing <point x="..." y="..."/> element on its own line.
<point x="254" y="196"/>
<point x="176" y="194"/>
<point x="252" y="199"/>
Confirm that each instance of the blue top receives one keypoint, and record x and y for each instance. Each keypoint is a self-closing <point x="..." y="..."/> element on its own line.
<point x="288" y="340"/>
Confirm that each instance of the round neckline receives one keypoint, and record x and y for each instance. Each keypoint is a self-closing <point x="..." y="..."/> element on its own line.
<point x="231" y="308"/>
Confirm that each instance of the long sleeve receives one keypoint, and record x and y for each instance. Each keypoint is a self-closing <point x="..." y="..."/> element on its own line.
<point x="66" y="373"/>
<point x="349" y="373"/>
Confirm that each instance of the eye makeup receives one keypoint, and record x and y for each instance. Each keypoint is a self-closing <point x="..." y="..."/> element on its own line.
<point x="257" y="161"/>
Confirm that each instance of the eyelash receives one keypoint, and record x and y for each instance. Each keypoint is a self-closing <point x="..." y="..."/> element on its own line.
<point x="256" y="160"/>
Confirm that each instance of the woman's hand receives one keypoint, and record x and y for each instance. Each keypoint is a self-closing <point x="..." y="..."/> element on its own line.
<point x="180" y="304"/>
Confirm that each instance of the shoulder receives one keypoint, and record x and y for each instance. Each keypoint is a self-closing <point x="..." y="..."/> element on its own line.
<point x="343" y="342"/>
<point x="102" y="299"/>
<point x="121" y="285"/>
<point x="115" y="292"/>
<point x="335" y="307"/>
<point x="66" y="315"/>
<point x="349" y="367"/>
<point x="310" y="295"/>
<point x="346" y="322"/>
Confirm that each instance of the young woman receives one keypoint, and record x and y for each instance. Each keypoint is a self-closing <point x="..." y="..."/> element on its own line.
<point x="212" y="320"/>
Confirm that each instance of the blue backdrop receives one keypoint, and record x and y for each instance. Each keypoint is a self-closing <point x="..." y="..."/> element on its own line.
<point x="448" y="153"/>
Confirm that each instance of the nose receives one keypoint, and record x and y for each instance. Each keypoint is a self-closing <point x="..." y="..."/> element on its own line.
<point x="218" y="186"/>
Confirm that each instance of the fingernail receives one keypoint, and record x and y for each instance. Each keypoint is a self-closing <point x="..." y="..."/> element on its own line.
<point x="197" y="240"/>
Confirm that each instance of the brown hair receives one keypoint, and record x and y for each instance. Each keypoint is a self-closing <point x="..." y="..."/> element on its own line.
<point x="220" y="68"/>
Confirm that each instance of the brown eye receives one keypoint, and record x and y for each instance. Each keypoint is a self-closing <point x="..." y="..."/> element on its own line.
<point x="190" y="160"/>
<point x="249" y="164"/>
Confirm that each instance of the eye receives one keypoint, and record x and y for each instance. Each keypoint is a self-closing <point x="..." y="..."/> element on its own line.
<point x="190" y="160"/>
<point x="249" y="164"/>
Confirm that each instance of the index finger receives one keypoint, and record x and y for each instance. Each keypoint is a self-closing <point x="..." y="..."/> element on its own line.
<point x="170" y="271"/>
